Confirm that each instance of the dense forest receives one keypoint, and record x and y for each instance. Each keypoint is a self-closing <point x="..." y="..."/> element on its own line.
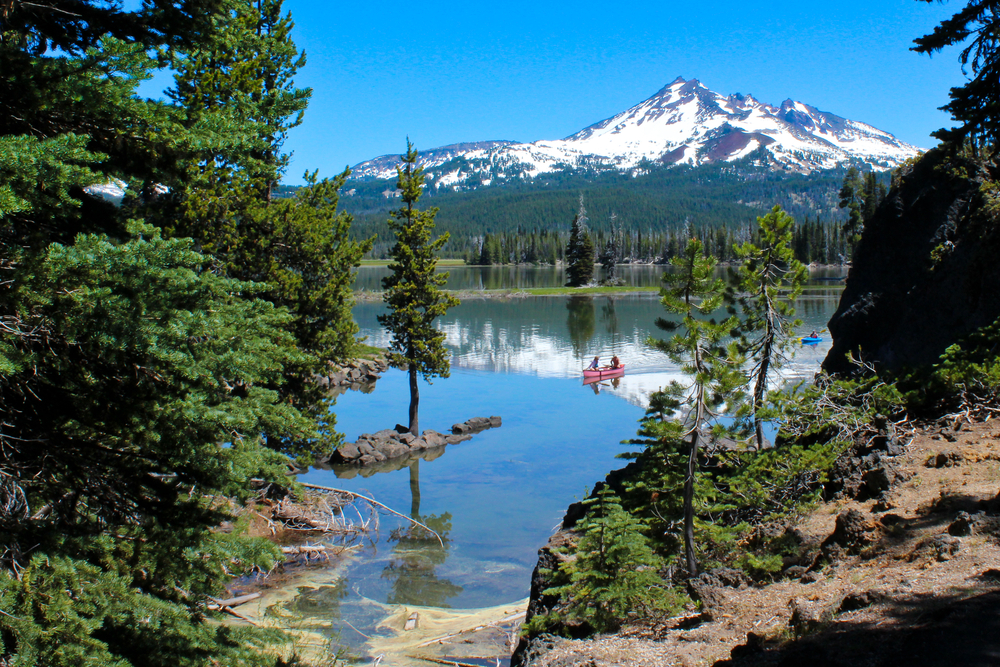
<point x="529" y="220"/>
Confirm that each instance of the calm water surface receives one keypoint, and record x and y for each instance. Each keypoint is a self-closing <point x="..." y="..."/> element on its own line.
<point x="518" y="277"/>
<point x="499" y="496"/>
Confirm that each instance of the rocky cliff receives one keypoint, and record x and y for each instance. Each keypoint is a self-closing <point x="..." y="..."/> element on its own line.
<point x="927" y="269"/>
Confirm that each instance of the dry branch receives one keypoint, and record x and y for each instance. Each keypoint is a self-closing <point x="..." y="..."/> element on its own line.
<point x="377" y="504"/>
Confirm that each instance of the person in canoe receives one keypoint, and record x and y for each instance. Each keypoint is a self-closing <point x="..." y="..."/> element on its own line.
<point x="594" y="365"/>
<point x="615" y="362"/>
<point x="814" y="334"/>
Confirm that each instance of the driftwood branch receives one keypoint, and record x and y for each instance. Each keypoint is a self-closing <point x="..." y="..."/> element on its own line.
<point x="233" y="602"/>
<point x="376" y="503"/>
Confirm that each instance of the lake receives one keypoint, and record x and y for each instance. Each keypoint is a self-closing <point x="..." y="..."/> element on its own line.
<point x="524" y="276"/>
<point x="499" y="496"/>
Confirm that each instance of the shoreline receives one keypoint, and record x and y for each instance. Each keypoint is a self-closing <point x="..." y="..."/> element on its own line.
<point x="367" y="296"/>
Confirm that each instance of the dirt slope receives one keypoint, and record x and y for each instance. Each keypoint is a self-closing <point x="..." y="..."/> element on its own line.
<point x="914" y="580"/>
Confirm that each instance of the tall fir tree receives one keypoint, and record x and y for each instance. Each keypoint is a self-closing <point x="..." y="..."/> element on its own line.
<point x="850" y="198"/>
<point x="413" y="290"/>
<point x="241" y="79"/>
<point x="579" y="251"/>
<point x="769" y="280"/>
<point x="125" y="360"/>
<point x="693" y="293"/>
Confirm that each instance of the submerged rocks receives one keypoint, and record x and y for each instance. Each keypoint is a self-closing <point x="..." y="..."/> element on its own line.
<point x="397" y="443"/>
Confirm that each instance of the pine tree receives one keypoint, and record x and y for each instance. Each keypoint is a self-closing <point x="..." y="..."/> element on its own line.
<point x="615" y="571"/>
<point x="151" y="380"/>
<point x="579" y="251"/>
<point x="611" y="254"/>
<point x="850" y="198"/>
<point x="413" y="290"/>
<point x="976" y="105"/>
<point x="693" y="293"/>
<point x="767" y="324"/>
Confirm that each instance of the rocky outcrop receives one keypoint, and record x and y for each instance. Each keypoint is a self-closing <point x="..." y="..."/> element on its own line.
<point x="925" y="272"/>
<point x="397" y="443"/>
<point x="355" y="375"/>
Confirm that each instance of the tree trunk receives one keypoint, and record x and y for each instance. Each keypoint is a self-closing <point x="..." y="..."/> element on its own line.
<point x="692" y="563"/>
<point x="415" y="490"/>
<point x="414" y="401"/>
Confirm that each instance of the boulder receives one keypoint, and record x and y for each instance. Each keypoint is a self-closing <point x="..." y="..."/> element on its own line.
<point x="365" y="447"/>
<point x="402" y="429"/>
<point x="852" y="532"/>
<point x="349" y="451"/>
<point x="417" y="444"/>
<point x="460" y="429"/>
<point x="495" y="422"/>
<point x="392" y="449"/>
<point x="386" y="434"/>
<point x="808" y="615"/>
<point x="406" y="438"/>
<point x="434" y="439"/>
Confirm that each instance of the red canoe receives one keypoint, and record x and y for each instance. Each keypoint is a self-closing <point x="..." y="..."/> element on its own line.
<point x="603" y="372"/>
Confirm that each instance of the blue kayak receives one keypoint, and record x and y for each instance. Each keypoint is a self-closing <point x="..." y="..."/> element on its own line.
<point x="810" y="340"/>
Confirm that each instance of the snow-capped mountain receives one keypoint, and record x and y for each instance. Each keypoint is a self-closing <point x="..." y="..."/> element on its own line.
<point x="684" y="123"/>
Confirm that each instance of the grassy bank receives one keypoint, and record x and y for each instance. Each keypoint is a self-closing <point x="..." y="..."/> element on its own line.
<point x="385" y="262"/>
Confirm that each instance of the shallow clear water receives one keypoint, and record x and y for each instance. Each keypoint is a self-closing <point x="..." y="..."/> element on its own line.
<point x="499" y="496"/>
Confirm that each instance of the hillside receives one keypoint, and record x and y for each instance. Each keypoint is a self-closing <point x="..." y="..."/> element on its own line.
<point x="728" y="195"/>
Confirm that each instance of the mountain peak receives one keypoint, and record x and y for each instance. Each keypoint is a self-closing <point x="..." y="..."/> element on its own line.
<point x="683" y="123"/>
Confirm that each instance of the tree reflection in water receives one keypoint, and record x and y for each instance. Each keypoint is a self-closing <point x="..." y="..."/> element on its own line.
<point x="580" y="323"/>
<point x="417" y="553"/>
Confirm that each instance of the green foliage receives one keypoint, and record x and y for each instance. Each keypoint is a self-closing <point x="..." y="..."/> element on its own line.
<point x="579" y="251"/>
<point x="614" y="573"/>
<point x="968" y="371"/>
<point x="145" y="376"/>
<point x="651" y="206"/>
<point x="701" y="349"/>
<point x="768" y="321"/>
<point x="139" y="384"/>
<point x="974" y="105"/>
<point x="413" y="290"/>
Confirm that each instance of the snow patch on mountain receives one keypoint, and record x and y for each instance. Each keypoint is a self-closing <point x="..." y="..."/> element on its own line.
<point x="683" y="123"/>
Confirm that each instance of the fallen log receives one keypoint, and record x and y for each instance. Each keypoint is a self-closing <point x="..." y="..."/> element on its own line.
<point x="233" y="602"/>
<point x="374" y="502"/>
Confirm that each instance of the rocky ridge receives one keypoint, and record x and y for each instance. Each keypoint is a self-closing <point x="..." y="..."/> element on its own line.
<point x="925" y="272"/>
<point x="904" y="575"/>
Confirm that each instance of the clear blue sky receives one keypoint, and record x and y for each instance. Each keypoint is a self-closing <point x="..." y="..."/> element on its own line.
<point x="445" y="72"/>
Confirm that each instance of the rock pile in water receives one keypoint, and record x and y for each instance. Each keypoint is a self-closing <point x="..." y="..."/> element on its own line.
<point x="372" y="448"/>
<point x="356" y="373"/>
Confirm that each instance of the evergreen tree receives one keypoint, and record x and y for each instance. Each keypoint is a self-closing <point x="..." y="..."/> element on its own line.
<point x="412" y="291"/>
<point x="693" y="293"/>
<point x="615" y="571"/>
<point x="850" y="198"/>
<point x="612" y="252"/>
<point x="241" y="77"/>
<point x="579" y="251"/>
<point x="767" y="322"/>
<point x="138" y="384"/>
<point x="976" y="105"/>
<point x="131" y="363"/>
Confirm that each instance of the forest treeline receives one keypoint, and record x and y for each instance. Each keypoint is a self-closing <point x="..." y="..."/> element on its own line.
<point x="813" y="242"/>
<point x="654" y="207"/>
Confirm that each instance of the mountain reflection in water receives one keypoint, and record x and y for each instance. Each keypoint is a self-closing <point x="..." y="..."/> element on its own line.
<point x="557" y="336"/>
